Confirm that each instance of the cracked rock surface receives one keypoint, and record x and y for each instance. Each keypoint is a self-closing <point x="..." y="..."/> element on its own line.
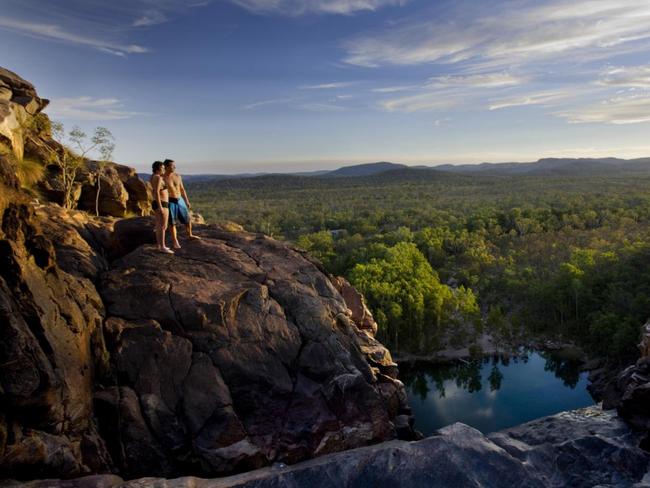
<point x="583" y="448"/>
<point x="233" y="354"/>
<point x="240" y="352"/>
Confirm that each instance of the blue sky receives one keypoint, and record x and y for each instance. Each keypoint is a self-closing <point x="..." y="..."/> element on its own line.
<point x="227" y="86"/>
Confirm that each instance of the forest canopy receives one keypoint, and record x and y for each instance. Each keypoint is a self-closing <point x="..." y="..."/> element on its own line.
<point x="442" y="257"/>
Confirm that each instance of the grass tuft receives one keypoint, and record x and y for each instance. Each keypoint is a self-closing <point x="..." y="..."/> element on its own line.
<point x="29" y="172"/>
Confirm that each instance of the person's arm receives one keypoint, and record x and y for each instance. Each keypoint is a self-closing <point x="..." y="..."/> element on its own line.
<point x="156" y="190"/>
<point x="183" y="192"/>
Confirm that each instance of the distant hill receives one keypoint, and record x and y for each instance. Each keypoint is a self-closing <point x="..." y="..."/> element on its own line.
<point x="368" y="169"/>
<point x="554" y="166"/>
<point x="542" y="167"/>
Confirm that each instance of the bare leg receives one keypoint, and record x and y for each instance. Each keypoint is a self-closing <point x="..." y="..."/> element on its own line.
<point x="158" y="228"/>
<point x="163" y="227"/>
<point x="175" y="244"/>
<point x="188" y="227"/>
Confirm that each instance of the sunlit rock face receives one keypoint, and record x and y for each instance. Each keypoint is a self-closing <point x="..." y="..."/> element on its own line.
<point x="25" y="134"/>
<point x="18" y="103"/>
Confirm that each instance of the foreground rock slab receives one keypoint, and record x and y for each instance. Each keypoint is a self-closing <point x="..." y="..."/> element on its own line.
<point x="582" y="448"/>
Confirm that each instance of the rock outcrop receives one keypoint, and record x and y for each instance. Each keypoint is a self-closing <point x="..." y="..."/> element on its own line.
<point x="25" y="134"/>
<point x="18" y="104"/>
<point x="629" y="391"/>
<point x="262" y="359"/>
<point x="234" y="353"/>
<point x="581" y="449"/>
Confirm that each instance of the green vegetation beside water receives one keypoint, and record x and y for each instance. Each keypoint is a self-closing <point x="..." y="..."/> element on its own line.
<point x="442" y="257"/>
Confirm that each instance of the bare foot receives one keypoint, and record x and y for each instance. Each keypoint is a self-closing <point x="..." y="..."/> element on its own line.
<point x="176" y="245"/>
<point x="194" y="237"/>
<point x="166" y="250"/>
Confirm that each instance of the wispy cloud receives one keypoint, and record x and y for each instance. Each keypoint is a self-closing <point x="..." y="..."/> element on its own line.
<point x="320" y="107"/>
<point x="57" y="33"/>
<point x="328" y="86"/>
<point x="430" y="102"/>
<point x="294" y="8"/>
<point x="89" y="108"/>
<point x="442" y="93"/>
<point x="151" y="17"/>
<point x="630" y="76"/>
<point x="105" y="26"/>
<point x="539" y="98"/>
<point x="394" y="89"/>
<point x="481" y="80"/>
<point x="631" y="109"/>
<point x="512" y="34"/>
<point x="266" y="103"/>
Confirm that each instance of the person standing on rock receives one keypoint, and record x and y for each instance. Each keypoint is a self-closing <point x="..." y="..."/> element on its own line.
<point x="160" y="205"/>
<point x="179" y="204"/>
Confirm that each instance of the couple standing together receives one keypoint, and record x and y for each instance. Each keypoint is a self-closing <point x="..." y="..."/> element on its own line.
<point x="170" y="204"/>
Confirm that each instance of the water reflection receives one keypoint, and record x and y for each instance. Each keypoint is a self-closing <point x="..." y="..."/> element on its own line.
<point x="494" y="392"/>
<point x="467" y="374"/>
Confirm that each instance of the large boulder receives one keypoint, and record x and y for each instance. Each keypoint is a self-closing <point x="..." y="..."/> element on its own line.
<point x="243" y="353"/>
<point x="629" y="390"/>
<point x="113" y="197"/>
<point x="18" y="104"/>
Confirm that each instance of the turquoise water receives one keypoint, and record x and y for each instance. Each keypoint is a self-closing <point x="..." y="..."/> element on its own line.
<point x="493" y="394"/>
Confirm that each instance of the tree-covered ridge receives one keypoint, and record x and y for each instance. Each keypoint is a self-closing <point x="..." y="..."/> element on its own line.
<point x="441" y="256"/>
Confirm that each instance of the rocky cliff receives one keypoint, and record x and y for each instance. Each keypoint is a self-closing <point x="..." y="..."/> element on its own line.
<point x="237" y="352"/>
<point x="26" y="142"/>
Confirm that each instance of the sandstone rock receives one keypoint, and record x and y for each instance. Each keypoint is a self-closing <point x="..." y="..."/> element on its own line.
<point x="354" y="300"/>
<point x="113" y="197"/>
<point x="12" y="119"/>
<point x="5" y="93"/>
<point x="129" y="234"/>
<point x="139" y="202"/>
<point x="31" y="104"/>
<point x="261" y="325"/>
<point x="15" y="82"/>
<point x="49" y="349"/>
<point x="583" y="448"/>
<point x="51" y="187"/>
<point x="629" y="391"/>
<point x="8" y="172"/>
<point x="25" y="134"/>
<point x="132" y="445"/>
<point x="18" y="102"/>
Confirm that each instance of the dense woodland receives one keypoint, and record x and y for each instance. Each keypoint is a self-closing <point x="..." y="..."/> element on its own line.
<point x="443" y="257"/>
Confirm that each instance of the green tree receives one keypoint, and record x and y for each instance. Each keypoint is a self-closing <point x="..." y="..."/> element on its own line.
<point x="76" y="151"/>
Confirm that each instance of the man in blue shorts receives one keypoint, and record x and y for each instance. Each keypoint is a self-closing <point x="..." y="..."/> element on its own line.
<point x="179" y="204"/>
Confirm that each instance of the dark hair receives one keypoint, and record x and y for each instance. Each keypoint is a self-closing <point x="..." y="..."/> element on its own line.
<point x="156" y="166"/>
<point x="168" y="162"/>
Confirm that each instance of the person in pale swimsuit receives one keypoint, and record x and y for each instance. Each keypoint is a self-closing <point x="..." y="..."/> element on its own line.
<point x="160" y="205"/>
<point x="179" y="204"/>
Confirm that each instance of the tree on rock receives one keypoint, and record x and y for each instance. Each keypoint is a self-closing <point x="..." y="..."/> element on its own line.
<point x="77" y="150"/>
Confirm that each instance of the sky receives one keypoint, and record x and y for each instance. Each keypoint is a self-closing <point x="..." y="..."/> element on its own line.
<point x="232" y="86"/>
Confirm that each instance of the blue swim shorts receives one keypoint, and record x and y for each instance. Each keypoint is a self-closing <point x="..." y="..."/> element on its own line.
<point x="178" y="212"/>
